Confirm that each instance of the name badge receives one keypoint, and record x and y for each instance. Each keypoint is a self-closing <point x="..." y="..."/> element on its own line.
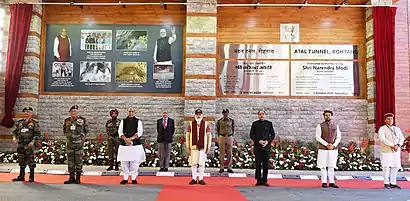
<point x="72" y="127"/>
<point x="24" y="130"/>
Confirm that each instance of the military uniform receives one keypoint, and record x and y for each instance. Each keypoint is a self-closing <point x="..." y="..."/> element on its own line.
<point x="113" y="139"/>
<point x="225" y="128"/>
<point x="27" y="132"/>
<point x="75" y="130"/>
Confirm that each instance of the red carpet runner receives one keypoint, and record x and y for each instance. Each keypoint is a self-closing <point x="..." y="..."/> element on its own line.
<point x="200" y="193"/>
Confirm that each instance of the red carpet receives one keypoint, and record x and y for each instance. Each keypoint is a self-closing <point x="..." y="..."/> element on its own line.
<point x="199" y="193"/>
<point x="220" y="182"/>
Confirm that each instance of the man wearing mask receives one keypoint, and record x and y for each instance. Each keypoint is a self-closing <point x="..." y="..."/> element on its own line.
<point x="26" y="132"/>
<point x="130" y="153"/>
<point x="391" y="139"/>
<point x="75" y="129"/>
<point x="225" y="128"/>
<point x="165" y="130"/>
<point x="111" y="128"/>
<point x="262" y="135"/>
<point x="198" y="142"/>
<point x="328" y="137"/>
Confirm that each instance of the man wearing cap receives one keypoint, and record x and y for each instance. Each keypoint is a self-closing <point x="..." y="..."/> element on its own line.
<point x="225" y="128"/>
<point x="262" y="135"/>
<point x="391" y="139"/>
<point x="26" y="131"/>
<point x="328" y="137"/>
<point x="111" y="127"/>
<point x="130" y="153"/>
<point x="198" y="144"/>
<point x="75" y="129"/>
<point x="165" y="130"/>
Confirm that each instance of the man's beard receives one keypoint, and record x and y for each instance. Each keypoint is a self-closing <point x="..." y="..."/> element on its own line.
<point x="198" y="119"/>
<point x="328" y="119"/>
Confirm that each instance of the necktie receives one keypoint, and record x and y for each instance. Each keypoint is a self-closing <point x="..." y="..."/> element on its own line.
<point x="165" y="123"/>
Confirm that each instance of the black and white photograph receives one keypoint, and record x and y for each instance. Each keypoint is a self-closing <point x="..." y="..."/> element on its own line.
<point x="131" y="72"/>
<point x="131" y="40"/>
<point x="163" y="72"/>
<point x="96" y="40"/>
<point x="62" y="69"/>
<point x="95" y="71"/>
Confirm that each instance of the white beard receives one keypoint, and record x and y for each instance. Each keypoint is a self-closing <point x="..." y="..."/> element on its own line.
<point x="198" y="119"/>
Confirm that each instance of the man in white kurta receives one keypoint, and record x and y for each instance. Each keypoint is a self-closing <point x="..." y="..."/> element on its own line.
<point x="198" y="144"/>
<point x="328" y="137"/>
<point x="130" y="152"/>
<point x="391" y="139"/>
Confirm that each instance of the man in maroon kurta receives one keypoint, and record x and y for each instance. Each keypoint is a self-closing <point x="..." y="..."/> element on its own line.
<point x="62" y="47"/>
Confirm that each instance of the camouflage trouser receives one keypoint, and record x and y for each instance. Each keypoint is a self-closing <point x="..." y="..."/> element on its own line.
<point x="75" y="157"/>
<point x="113" y="144"/>
<point x="26" y="157"/>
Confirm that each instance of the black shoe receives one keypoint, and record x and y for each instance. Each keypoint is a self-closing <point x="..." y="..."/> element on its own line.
<point x="110" y="168"/>
<point x="165" y="169"/>
<point x="202" y="182"/>
<point x="116" y="168"/>
<point x="21" y="175"/>
<point x="70" y="180"/>
<point x="259" y="183"/>
<point x="193" y="181"/>
<point x="221" y="170"/>
<point x="324" y="185"/>
<point x="265" y="184"/>
<point x="230" y="170"/>
<point x="31" y="178"/>
<point x="333" y="185"/>
<point x="124" y="182"/>
<point x="387" y="186"/>
<point x="161" y="169"/>
<point x="78" y="178"/>
<point x="395" y="186"/>
<point x="134" y="181"/>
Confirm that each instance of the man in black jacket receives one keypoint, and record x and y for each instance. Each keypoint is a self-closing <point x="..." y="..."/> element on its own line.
<point x="165" y="130"/>
<point x="262" y="134"/>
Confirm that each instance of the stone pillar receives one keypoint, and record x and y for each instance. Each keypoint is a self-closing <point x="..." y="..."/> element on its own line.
<point x="29" y="82"/>
<point x="371" y="81"/>
<point x="200" y="65"/>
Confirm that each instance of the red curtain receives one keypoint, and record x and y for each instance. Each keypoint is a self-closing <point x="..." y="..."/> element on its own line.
<point x="384" y="41"/>
<point x="20" y="18"/>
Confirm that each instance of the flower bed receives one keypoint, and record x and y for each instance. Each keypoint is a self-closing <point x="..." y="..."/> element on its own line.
<point x="286" y="154"/>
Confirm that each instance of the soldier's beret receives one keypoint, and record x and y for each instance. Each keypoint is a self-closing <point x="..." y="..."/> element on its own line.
<point x="198" y="111"/>
<point x="225" y="111"/>
<point x="73" y="107"/>
<point x="27" y="109"/>
<point x="327" y="111"/>
<point x="388" y="115"/>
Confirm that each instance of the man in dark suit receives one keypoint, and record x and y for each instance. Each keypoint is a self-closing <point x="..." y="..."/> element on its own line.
<point x="165" y="130"/>
<point x="262" y="135"/>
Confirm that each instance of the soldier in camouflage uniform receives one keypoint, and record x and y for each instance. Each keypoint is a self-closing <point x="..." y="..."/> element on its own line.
<point x="75" y="129"/>
<point x="26" y="132"/>
<point x="113" y="139"/>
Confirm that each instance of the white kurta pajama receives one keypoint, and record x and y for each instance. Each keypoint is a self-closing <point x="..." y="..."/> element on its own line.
<point x="198" y="157"/>
<point x="391" y="160"/>
<point x="327" y="158"/>
<point x="131" y="156"/>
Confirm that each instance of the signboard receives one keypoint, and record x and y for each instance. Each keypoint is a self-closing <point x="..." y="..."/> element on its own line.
<point x="254" y="51"/>
<point x="254" y="77"/>
<point x="113" y="58"/>
<point x="312" y="52"/>
<point x="324" y="78"/>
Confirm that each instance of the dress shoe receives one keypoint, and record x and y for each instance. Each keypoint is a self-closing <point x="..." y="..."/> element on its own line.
<point x="161" y="169"/>
<point x="258" y="183"/>
<point x="134" y="182"/>
<point x="324" y="185"/>
<point x="221" y="170"/>
<point x="230" y="170"/>
<point x="193" y="181"/>
<point x="333" y="185"/>
<point x="202" y="182"/>
<point x="165" y="169"/>
<point x="387" y="186"/>
<point x="395" y="186"/>
<point x="110" y="168"/>
<point x="124" y="182"/>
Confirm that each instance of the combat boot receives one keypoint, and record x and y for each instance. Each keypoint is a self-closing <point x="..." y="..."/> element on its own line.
<point x="21" y="175"/>
<point x="78" y="178"/>
<point x="31" y="178"/>
<point x="110" y="168"/>
<point x="71" y="180"/>
<point x="116" y="166"/>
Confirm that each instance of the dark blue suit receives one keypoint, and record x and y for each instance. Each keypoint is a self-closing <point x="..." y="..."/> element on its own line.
<point x="164" y="139"/>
